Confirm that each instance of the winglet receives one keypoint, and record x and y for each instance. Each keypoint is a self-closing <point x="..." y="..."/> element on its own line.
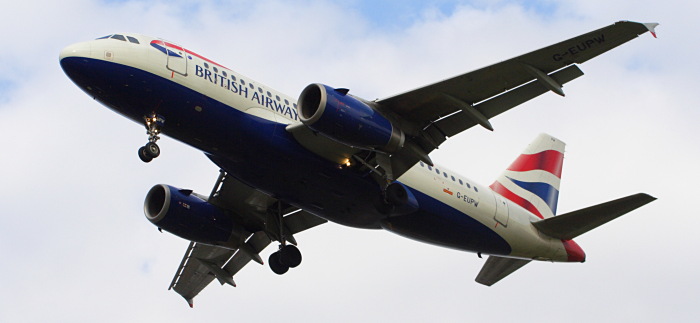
<point x="652" y="27"/>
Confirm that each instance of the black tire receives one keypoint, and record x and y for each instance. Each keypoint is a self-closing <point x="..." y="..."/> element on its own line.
<point x="143" y="155"/>
<point x="290" y="256"/>
<point x="152" y="150"/>
<point x="276" y="265"/>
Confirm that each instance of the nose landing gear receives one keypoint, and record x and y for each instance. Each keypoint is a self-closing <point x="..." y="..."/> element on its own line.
<point x="151" y="149"/>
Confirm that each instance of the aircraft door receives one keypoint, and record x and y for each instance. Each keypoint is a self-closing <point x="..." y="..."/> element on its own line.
<point x="501" y="215"/>
<point x="177" y="60"/>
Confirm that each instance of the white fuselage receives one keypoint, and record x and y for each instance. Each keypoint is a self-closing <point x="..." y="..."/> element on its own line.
<point x="508" y="220"/>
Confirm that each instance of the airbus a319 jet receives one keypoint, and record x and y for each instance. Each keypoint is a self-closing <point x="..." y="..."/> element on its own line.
<point x="289" y="165"/>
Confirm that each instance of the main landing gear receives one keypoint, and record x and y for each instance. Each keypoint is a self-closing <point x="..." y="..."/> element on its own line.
<point x="288" y="255"/>
<point x="151" y="149"/>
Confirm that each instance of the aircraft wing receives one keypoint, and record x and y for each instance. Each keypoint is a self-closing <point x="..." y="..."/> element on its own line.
<point x="444" y="109"/>
<point x="203" y="263"/>
<point x="431" y="114"/>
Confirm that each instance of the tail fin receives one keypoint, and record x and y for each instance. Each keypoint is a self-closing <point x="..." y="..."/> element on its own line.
<point x="532" y="180"/>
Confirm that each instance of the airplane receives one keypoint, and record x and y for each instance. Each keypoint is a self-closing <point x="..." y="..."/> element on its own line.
<point x="290" y="165"/>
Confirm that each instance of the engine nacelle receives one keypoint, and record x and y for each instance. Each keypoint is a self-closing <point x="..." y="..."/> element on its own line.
<point x="187" y="216"/>
<point x="346" y="119"/>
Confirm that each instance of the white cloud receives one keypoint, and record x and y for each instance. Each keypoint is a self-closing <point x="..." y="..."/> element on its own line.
<point x="74" y="239"/>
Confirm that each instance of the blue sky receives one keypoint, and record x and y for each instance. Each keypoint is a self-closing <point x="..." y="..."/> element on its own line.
<point x="72" y="231"/>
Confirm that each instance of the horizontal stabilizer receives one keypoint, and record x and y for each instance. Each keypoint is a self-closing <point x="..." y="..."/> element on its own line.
<point x="497" y="268"/>
<point x="570" y="225"/>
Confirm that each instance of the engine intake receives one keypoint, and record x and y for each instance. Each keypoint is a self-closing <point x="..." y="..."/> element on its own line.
<point x="347" y="119"/>
<point x="185" y="215"/>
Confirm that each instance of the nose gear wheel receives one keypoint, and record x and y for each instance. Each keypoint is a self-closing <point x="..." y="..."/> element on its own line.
<point x="151" y="150"/>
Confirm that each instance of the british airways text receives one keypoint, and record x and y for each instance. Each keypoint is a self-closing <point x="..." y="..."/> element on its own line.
<point x="243" y="91"/>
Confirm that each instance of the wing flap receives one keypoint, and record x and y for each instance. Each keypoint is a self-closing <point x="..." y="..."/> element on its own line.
<point x="192" y="275"/>
<point x="573" y="224"/>
<point x="497" y="268"/>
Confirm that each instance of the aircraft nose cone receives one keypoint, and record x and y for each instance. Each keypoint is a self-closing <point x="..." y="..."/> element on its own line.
<point x="71" y="58"/>
<point x="75" y="50"/>
<point x="574" y="251"/>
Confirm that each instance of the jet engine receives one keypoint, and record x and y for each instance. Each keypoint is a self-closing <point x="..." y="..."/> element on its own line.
<point x="347" y="119"/>
<point x="190" y="217"/>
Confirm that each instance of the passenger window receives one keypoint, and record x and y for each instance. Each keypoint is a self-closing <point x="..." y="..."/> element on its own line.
<point x="216" y="70"/>
<point x="243" y="81"/>
<point x="476" y="189"/>
<point x="252" y="86"/>
<point x="445" y="174"/>
<point x="421" y="164"/>
<point x="453" y="178"/>
<point x="269" y="94"/>
<point x="206" y="65"/>
<point x="224" y="73"/>
<point x="120" y="37"/>
<point x="430" y="168"/>
<point x="469" y="186"/>
<point x="278" y="98"/>
<point x="132" y="39"/>
<point x="233" y="77"/>
<point x="260" y="90"/>
<point x="437" y="171"/>
<point x="460" y="182"/>
<point x="286" y="101"/>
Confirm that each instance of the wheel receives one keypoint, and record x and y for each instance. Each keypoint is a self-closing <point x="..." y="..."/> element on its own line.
<point x="276" y="265"/>
<point x="290" y="256"/>
<point x="144" y="155"/>
<point x="152" y="150"/>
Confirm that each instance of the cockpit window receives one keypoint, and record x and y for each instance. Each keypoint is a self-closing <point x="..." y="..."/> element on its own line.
<point x="120" y="37"/>
<point x="105" y="37"/>
<point x="132" y="39"/>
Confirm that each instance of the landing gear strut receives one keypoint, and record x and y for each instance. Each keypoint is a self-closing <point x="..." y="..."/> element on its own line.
<point x="151" y="149"/>
<point x="288" y="255"/>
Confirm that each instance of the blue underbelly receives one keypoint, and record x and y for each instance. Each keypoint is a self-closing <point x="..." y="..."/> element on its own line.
<point x="262" y="154"/>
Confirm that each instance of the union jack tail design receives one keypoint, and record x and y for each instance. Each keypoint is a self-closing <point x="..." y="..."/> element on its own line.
<point x="532" y="180"/>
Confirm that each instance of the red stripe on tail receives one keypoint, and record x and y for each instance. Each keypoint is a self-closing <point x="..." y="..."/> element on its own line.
<point x="548" y="160"/>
